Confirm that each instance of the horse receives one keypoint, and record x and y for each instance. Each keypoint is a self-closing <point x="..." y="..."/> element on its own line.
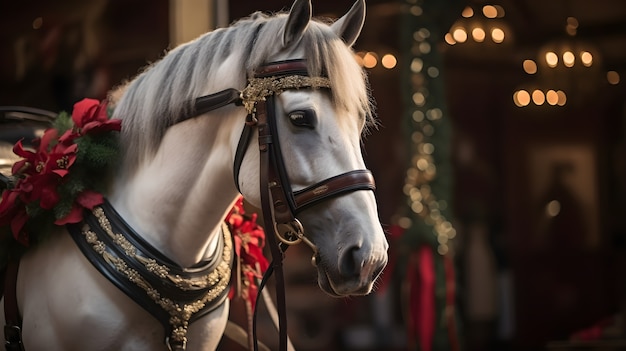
<point x="174" y="184"/>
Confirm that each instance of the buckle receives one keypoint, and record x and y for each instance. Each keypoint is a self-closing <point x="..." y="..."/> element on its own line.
<point x="13" y="338"/>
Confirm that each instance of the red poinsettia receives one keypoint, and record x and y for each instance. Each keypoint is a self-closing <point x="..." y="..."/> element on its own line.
<point x="249" y="241"/>
<point x="40" y="172"/>
<point x="90" y="116"/>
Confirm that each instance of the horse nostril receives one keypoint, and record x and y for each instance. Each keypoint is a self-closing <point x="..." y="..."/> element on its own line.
<point x="351" y="262"/>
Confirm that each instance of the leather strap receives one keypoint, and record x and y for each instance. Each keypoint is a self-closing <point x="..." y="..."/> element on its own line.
<point x="13" y="326"/>
<point x="267" y="180"/>
<point x="360" y="179"/>
<point x="212" y="102"/>
<point x="282" y="68"/>
<point x="154" y="282"/>
<point x="242" y="147"/>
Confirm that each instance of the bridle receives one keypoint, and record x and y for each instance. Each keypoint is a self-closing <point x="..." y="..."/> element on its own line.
<point x="279" y="203"/>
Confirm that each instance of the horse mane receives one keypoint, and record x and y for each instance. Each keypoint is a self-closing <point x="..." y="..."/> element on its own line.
<point x="164" y="91"/>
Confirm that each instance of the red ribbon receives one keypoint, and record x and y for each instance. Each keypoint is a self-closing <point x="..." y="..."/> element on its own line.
<point x="421" y="293"/>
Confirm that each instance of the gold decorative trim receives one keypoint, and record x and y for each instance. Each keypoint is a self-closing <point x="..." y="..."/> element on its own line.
<point x="259" y="88"/>
<point x="180" y="314"/>
<point x="196" y="283"/>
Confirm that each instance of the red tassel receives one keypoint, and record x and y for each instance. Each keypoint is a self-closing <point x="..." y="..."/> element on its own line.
<point x="421" y="294"/>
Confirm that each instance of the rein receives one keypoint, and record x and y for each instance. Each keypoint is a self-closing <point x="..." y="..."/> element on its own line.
<point x="280" y="206"/>
<point x="279" y="203"/>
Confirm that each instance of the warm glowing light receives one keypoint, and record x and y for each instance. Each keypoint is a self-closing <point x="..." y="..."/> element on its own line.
<point x="405" y="222"/>
<point x="422" y="164"/>
<point x="359" y="58"/>
<point x="562" y="98"/>
<point x="416" y="10"/>
<point x="449" y="39"/>
<point x="417" y="207"/>
<point x="530" y="66"/>
<point x="586" y="58"/>
<point x="553" y="208"/>
<point x="552" y="59"/>
<point x="500" y="10"/>
<point x="419" y="99"/>
<point x="467" y="12"/>
<point x="568" y="59"/>
<point x="389" y="61"/>
<point x="37" y="23"/>
<point x="433" y="72"/>
<point x="552" y="97"/>
<point x="434" y="114"/>
<point x="497" y="35"/>
<point x="572" y="26"/>
<point x="521" y="98"/>
<point x="416" y="65"/>
<point x="570" y="30"/>
<point x="460" y="35"/>
<point x="370" y="60"/>
<point x="490" y="11"/>
<point x="418" y="116"/>
<point x="612" y="77"/>
<point x="538" y="97"/>
<point x="442" y="249"/>
<point x="478" y="34"/>
<point x="424" y="47"/>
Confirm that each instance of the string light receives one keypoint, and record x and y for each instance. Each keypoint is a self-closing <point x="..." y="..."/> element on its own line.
<point x="560" y="57"/>
<point x="478" y="28"/>
<point x="427" y="118"/>
<point x="370" y="60"/>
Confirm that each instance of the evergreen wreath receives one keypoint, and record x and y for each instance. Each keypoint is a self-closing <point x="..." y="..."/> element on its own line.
<point x="53" y="184"/>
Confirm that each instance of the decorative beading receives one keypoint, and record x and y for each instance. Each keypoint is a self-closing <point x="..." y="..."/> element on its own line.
<point x="180" y="313"/>
<point x="260" y="88"/>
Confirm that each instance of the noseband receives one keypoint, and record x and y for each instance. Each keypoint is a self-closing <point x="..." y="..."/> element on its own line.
<point x="280" y="204"/>
<point x="258" y="98"/>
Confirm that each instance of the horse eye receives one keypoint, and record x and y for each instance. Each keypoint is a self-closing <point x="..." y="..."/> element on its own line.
<point x="303" y="118"/>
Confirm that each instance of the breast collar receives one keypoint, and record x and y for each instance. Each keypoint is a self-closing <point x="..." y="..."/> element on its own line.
<point x="175" y="296"/>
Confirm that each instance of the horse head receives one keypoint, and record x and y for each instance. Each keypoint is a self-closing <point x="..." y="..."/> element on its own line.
<point x="319" y="135"/>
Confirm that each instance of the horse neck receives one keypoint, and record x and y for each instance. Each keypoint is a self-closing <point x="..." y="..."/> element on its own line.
<point x="177" y="199"/>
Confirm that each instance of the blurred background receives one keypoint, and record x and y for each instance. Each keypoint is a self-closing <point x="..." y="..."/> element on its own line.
<point x="500" y="161"/>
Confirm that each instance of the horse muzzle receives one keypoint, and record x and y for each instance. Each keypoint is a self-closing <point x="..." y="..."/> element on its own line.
<point x="354" y="276"/>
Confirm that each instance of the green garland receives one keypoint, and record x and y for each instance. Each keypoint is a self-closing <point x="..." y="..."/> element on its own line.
<point x="97" y="154"/>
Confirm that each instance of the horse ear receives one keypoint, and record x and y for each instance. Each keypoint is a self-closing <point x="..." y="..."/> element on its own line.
<point x="299" y="17"/>
<point x="349" y="26"/>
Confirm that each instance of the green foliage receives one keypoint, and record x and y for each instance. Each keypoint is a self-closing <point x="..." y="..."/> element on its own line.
<point x="63" y="122"/>
<point x="96" y="156"/>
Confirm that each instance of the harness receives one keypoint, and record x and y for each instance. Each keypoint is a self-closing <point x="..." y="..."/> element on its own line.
<point x="175" y="296"/>
<point x="279" y="203"/>
<point x="104" y="237"/>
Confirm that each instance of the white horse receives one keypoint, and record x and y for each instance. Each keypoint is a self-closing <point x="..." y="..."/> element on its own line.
<point x="175" y="184"/>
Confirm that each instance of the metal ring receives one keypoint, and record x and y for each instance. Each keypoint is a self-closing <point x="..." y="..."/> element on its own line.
<point x="294" y="228"/>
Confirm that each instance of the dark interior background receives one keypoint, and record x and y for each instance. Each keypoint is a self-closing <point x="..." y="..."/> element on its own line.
<point x="526" y="280"/>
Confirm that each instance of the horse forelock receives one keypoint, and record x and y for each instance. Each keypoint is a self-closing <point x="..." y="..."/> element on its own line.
<point x="164" y="92"/>
<point x="326" y="55"/>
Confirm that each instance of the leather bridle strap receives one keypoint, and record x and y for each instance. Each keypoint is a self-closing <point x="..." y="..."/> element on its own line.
<point x="13" y="326"/>
<point x="279" y="203"/>
<point x="360" y="179"/>
<point x="267" y="181"/>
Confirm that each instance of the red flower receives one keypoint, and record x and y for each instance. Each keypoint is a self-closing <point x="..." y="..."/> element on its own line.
<point x="87" y="199"/>
<point x="249" y="241"/>
<point x="41" y="172"/>
<point x="91" y="117"/>
<point x="12" y="215"/>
